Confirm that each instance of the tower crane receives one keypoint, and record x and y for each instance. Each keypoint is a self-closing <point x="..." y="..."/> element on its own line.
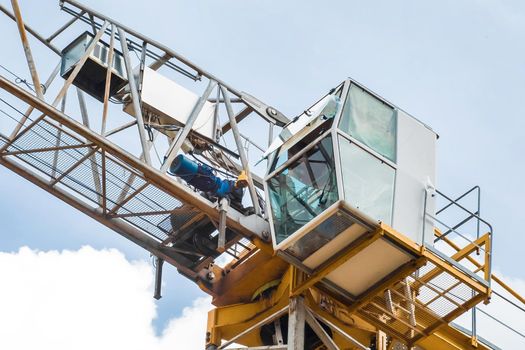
<point x="331" y="236"/>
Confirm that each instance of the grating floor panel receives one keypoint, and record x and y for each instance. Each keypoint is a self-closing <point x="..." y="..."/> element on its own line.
<point x="414" y="306"/>
<point x="79" y="167"/>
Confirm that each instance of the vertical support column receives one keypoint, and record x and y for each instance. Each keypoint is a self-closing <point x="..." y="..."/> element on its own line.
<point x="410" y="305"/>
<point x="381" y="341"/>
<point x="213" y="337"/>
<point x="92" y="159"/>
<point x="140" y="81"/>
<point x="244" y="158"/>
<point x="107" y="86"/>
<point x="158" y="278"/>
<point x="104" y="184"/>
<point x="474" y="340"/>
<point x="27" y="49"/>
<point x="296" y="320"/>
<point x="59" y="140"/>
<point x="127" y="187"/>
<point x="223" y="211"/>
<point x="271" y="127"/>
<point x="142" y="65"/>
<point x="134" y="96"/>
<point x="216" y="116"/>
<point x="424" y="217"/>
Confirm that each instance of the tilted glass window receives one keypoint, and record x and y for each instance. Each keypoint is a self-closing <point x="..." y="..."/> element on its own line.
<point x="73" y="53"/>
<point x="321" y="235"/>
<point x="371" y="121"/>
<point x="303" y="190"/>
<point x="368" y="182"/>
<point x="294" y="146"/>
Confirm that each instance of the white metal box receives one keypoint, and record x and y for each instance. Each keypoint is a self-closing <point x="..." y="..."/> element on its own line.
<point x="92" y="76"/>
<point x="167" y="103"/>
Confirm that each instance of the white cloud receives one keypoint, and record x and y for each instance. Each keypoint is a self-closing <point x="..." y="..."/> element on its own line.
<point x="190" y="327"/>
<point x="96" y="299"/>
<point x="87" y="299"/>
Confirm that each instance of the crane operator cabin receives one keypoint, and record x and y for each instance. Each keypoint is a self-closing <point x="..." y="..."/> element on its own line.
<point x="349" y="162"/>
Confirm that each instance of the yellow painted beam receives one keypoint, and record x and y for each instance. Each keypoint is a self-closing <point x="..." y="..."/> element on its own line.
<point x="398" y="274"/>
<point x="444" y="266"/>
<point x="449" y="338"/>
<point x="459" y="255"/>
<point x="494" y="277"/>
<point x="402" y="240"/>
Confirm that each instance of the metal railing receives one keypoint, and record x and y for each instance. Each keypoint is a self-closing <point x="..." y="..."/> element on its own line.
<point x="448" y="229"/>
<point x="454" y="227"/>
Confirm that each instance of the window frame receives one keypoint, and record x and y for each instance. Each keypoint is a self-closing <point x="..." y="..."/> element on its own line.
<point x="286" y="242"/>
<point x="339" y="168"/>
<point x="337" y="120"/>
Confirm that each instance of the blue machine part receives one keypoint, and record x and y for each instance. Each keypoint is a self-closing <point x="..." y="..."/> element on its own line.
<point x="201" y="176"/>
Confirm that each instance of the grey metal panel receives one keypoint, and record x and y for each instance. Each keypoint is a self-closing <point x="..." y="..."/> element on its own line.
<point x="416" y="170"/>
<point x="172" y="103"/>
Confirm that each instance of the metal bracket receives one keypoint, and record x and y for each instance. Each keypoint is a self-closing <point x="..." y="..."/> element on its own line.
<point x="158" y="277"/>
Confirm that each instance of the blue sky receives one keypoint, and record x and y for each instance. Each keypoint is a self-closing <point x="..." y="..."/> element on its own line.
<point x="456" y="65"/>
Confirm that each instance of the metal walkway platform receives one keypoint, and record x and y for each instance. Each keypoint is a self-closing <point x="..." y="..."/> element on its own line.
<point x="116" y="188"/>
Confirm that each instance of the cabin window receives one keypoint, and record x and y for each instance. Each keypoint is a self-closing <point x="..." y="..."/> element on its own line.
<point x="370" y="121"/>
<point x="303" y="189"/>
<point x="368" y="182"/>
